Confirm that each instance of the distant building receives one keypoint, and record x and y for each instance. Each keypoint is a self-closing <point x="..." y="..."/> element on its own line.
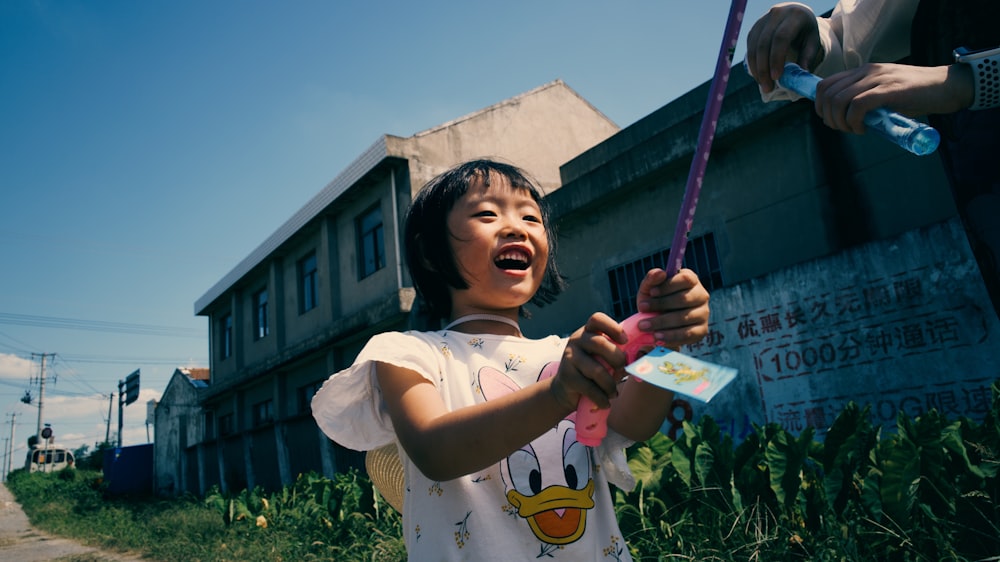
<point x="178" y="421"/>
<point x="302" y="304"/>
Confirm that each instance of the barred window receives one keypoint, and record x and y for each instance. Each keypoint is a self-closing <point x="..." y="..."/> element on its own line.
<point x="700" y="256"/>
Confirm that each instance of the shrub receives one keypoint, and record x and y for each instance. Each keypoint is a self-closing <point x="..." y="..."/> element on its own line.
<point x="929" y="491"/>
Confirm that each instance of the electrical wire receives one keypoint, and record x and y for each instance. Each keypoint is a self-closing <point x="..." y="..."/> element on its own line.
<point x="99" y="326"/>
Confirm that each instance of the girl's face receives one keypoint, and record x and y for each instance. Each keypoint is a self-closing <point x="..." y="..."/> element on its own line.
<point x="500" y="248"/>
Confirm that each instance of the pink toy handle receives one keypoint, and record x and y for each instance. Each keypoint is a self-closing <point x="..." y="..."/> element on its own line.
<point x="591" y="421"/>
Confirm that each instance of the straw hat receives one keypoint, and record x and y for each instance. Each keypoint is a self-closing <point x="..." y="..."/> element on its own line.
<point x="386" y="473"/>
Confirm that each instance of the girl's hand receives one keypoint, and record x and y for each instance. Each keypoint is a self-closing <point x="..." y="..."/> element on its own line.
<point x="682" y="304"/>
<point x="592" y="364"/>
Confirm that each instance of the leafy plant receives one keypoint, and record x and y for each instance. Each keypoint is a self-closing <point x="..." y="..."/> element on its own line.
<point x="929" y="491"/>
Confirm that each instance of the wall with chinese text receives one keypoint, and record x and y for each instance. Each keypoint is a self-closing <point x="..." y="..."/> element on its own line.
<point x="900" y="325"/>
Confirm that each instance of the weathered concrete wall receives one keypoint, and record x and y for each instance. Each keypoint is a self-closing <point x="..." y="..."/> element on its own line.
<point x="902" y="325"/>
<point x="178" y="423"/>
<point x="537" y="131"/>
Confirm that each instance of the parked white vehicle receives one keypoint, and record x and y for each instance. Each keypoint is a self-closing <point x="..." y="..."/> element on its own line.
<point x="49" y="458"/>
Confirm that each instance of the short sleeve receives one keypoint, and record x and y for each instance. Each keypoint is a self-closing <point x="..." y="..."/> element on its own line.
<point x="610" y="455"/>
<point x="349" y="406"/>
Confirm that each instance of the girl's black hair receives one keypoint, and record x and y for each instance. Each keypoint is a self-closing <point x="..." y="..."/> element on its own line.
<point x="428" y="250"/>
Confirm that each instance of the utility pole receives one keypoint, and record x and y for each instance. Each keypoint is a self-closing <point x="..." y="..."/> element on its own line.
<point x="121" y="410"/>
<point x="41" y="393"/>
<point x="10" y="455"/>
<point x="107" y="432"/>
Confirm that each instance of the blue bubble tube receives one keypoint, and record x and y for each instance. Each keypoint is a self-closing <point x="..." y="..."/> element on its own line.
<point x="916" y="137"/>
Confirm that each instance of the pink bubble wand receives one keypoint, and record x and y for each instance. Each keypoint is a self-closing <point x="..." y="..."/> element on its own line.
<point x="591" y="421"/>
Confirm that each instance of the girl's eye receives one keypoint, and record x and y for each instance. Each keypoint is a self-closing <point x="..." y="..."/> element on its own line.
<point x="485" y="214"/>
<point x="532" y="218"/>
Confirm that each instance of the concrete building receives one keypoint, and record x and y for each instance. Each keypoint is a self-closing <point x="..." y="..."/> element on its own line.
<point x="302" y="304"/>
<point x="177" y="419"/>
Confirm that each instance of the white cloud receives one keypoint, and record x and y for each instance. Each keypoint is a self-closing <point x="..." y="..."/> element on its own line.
<point x="16" y="369"/>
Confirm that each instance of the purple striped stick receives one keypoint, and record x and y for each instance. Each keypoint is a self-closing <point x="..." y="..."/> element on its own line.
<point x="705" y="136"/>
<point x="591" y="422"/>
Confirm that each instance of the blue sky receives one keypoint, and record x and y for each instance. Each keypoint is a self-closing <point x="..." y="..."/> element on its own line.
<point x="147" y="147"/>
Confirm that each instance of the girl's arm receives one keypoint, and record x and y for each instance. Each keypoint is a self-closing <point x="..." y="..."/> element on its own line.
<point x="640" y="408"/>
<point x="446" y="445"/>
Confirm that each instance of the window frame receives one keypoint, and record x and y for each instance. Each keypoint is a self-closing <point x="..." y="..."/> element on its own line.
<point x="371" y="241"/>
<point x="701" y="256"/>
<point x="227" y="424"/>
<point x="261" y="326"/>
<point x="262" y="412"/>
<point x="225" y="336"/>
<point x="308" y="275"/>
<point x="305" y="395"/>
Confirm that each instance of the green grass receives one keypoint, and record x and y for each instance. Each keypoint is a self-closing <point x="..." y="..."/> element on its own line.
<point x="72" y="504"/>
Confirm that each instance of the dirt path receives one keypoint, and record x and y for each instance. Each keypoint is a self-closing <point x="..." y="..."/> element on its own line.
<point x="20" y="541"/>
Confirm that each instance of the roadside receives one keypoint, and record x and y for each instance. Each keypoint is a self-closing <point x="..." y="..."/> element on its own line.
<point x="20" y="541"/>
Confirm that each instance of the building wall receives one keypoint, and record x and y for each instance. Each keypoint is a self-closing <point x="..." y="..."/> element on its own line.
<point x="537" y="131"/>
<point x="357" y="292"/>
<point x="177" y="421"/>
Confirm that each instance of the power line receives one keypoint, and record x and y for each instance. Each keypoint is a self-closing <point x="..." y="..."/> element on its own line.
<point x="73" y="372"/>
<point x="99" y="326"/>
<point x="19" y="342"/>
<point x="108" y="360"/>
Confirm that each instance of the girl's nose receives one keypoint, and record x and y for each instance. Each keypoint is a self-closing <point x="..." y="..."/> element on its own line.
<point x="513" y="228"/>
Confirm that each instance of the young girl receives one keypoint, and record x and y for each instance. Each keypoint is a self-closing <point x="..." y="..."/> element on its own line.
<point x="484" y="417"/>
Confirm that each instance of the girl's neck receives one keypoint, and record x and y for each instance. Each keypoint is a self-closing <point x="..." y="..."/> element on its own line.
<point x="485" y="323"/>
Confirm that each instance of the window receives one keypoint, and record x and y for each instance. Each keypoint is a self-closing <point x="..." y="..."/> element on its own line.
<point x="260" y="327"/>
<point x="263" y="412"/>
<point x="308" y="278"/>
<point x="226" y="336"/>
<point x="209" y="425"/>
<point x="371" y="242"/>
<point x="700" y="256"/>
<point x="226" y="425"/>
<point x="305" y="395"/>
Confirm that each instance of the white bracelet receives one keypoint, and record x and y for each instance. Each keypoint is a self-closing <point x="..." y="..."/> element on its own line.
<point x="985" y="67"/>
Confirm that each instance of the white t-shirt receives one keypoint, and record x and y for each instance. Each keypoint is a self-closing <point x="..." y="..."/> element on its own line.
<point x="551" y="499"/>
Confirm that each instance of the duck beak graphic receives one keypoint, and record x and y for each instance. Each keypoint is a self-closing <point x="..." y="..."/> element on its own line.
<point x="557" y="514"/>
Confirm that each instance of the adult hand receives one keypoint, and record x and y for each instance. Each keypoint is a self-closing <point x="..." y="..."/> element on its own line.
<point x="787" y="32"/>
<point x="843" y="99"/>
